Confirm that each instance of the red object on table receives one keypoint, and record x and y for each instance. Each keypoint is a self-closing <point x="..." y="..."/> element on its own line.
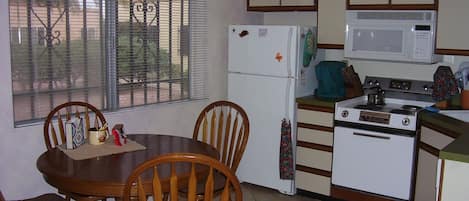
<point x="116" y="135"/>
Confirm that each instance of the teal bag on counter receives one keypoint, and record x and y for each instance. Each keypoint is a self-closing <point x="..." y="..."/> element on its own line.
<point x="330" y="80"/>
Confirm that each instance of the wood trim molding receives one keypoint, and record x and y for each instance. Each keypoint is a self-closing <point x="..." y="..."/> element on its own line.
<point x="369" y="7"/>
<point x="391" y="6"/>
<point x="430" y="149"/>
<point x="414" y="7"/>
<point x="315" y="127"/>
<point x="314" y="146"/>
<point x="452" y="52"/>
<point x="442" y="171"/>
<point x="330" y="46"/>
<point x="439" y="129"/>
<point x="315" y="108"/>
<point x="282" y="8"/>
<point x="314" y="171"/>
<point x="353" y="195"/>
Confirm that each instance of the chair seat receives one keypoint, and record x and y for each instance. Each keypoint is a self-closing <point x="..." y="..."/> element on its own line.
<point x="47" y="197"/>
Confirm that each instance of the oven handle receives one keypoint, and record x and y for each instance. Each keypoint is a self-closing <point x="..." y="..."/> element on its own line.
<point x="373" y="136"/>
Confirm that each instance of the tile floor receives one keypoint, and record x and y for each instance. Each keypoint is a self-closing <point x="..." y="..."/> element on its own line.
<point x="257" y="193"/>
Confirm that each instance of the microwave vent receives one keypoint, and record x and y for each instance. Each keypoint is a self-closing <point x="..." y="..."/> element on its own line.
<point x="394" y="16"/>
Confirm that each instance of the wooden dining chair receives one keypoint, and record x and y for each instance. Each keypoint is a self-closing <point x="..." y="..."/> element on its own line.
<point x="54" y="126"/>
<point x="225" y="126"/>
<point x="44" y="197"/>
<point x="185" y="170"/>
<point x="54" y="129"/>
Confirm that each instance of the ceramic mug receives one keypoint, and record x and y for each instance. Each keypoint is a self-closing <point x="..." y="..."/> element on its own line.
<point x="97" y="137"/>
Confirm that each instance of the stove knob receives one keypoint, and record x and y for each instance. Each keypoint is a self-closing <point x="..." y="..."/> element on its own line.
<point x="376" y="83"/>
<point x="370" y="83"/>
<point x="344" y="114"/>
<point x="405" y="121"/>
<point x="425" y="88"/>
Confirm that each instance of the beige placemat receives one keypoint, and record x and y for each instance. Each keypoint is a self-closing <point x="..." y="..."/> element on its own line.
<point x="87" y="150"/>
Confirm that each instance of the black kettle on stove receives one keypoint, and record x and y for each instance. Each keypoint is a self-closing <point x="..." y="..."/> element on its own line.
<point x="376" y="97"/>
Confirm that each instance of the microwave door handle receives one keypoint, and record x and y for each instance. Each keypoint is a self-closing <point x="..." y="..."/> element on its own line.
<point x="372" y="136"/>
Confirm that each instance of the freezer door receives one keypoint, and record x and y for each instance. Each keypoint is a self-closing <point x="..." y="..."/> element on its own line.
<point x="263" y="50"/>
<point x="264" y="99"/>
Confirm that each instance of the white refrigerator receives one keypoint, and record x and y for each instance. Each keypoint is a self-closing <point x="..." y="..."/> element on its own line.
<point x="265" y="75"/>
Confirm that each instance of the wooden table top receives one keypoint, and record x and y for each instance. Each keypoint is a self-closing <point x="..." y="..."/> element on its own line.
<point x="106" y="175"/>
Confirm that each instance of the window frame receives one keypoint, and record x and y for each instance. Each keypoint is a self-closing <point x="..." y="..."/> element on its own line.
<point x="110" y="100"/>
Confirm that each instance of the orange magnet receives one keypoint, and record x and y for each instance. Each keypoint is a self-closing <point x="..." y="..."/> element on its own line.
<point x="278" y="57"/>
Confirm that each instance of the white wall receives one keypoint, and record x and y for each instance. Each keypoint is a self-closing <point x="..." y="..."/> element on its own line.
<point x="20" y="147"/>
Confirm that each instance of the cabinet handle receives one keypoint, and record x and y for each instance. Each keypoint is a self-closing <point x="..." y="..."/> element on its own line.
<point x="373" y="136"/>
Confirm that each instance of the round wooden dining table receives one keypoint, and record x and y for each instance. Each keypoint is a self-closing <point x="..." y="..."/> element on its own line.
<point x="106" y="175"/>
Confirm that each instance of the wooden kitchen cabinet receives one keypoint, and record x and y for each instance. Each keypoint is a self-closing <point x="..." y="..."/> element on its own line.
<point x="391" y="5"/>
<point x="298" y="2"/>
<point x="369" y="2"/>
<point x="404" y="2"/>
<point x="452" y="31"/>
<point x="262" y="3"/>
<point x="455" y="181"/>
<point x="281" y="5"/>
<point x="432" y="140"/>
<point x="314" y="149"/>
<point x="331" y="24"/>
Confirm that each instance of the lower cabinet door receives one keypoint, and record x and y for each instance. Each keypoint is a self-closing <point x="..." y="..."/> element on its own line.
<point x="314" y="158"/>
<point x="425" y="187"/>
<point x="313" y="183"/>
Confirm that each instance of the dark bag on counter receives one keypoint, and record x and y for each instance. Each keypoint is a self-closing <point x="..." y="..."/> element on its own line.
<point x="353" y="85"/>
<point x="330" y="80"/>
<point x="444" y="84"/>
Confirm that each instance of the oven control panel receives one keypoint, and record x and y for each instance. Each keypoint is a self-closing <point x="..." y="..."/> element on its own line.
<point x="400" y="84"/>
<point x="375" y="117"/>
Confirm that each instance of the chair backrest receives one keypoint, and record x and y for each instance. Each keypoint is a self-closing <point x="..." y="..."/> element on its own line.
<point x="54" y="126"/>
<point x="1" y="196"/>
<point x="224" y="125"/>
<point x="185" y="170"/>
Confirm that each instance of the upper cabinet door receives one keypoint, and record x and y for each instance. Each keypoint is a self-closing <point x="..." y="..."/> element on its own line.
<point x="255" y="3"/>
<point x="331" y="24"/>
<point x="452" y="31"/>
<point x="391" y="5"/>
<point x="281" y="5"/>
<point x="368" y="2"/>
<point x="298" y="2"/>
<point x="412" y="2"/>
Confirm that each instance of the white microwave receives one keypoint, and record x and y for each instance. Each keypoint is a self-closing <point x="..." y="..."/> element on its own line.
<point x="406" y="36"/>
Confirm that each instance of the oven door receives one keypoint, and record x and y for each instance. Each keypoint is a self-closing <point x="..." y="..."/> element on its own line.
<point x="374" y="162"/>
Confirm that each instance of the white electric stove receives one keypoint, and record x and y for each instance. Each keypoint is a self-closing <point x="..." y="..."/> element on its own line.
<point x="374" y="145"/>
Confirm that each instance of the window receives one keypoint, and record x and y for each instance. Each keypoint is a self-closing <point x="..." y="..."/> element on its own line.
<point x="112" y="54"/>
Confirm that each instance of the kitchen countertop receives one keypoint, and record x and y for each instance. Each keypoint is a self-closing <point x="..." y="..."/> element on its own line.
<point x="313" y="101"/>
<point x="457" y="150"/>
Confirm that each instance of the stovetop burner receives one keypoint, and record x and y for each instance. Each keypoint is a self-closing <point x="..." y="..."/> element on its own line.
<point x="411" y="107"/>
<point x="404" y="100"/>
<point x="402" y="111"/>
